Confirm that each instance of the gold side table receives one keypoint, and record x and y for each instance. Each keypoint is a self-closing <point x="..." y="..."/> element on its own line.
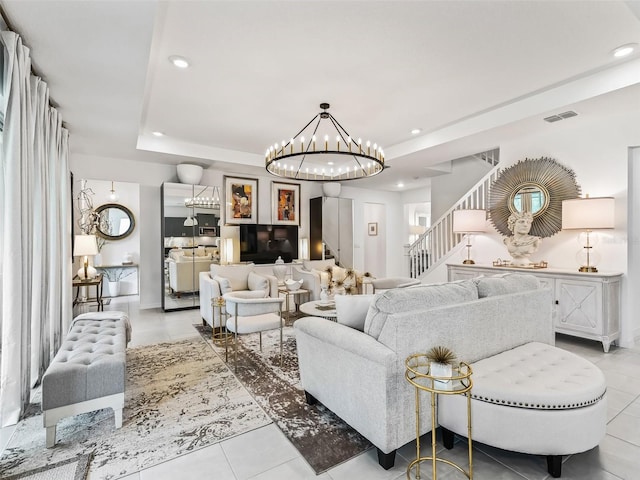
<point x="418" y="374"/>
<point x="219" y="334"/>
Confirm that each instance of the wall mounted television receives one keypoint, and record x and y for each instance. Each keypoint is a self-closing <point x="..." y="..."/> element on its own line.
<point x="265" y="243"/>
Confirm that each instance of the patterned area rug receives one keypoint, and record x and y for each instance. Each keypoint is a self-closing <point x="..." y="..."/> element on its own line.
<point x="321" y="437"/>
<point x="180" y="397"/>
<point x="72" y="469"/>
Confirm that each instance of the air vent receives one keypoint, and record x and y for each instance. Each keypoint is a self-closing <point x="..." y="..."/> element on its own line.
<point x="560" y="116"/>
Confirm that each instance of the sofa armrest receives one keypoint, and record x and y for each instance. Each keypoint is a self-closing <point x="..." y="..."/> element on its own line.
<point x="311" y="281"/>
<point x="209" y="288"/>
<point x="273" y="285"/>
<point x="353" y="375"/>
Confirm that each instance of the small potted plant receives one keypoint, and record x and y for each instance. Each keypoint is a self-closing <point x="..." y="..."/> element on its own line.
<point x="441" y="361"/>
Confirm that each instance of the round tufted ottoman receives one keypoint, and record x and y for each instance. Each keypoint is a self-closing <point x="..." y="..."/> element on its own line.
<point x="535" y="399"/>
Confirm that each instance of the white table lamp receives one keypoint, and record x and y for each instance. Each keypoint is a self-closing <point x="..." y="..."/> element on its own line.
<point x="468" y="222"/>
<point x="588" y="214"/>
<point x="85" y="246"/>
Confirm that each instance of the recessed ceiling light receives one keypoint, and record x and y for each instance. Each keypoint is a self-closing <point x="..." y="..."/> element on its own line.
<point x="416" y="131"/>
<point x="329" y="163"/>
<point x="624" y="50"/>
<point x="400" y="184"/>
<point x="179" y="61"/>
<point x="157" y="134"/>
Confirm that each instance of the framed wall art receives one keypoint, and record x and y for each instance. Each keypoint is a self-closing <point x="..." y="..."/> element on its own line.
<point x="285" y="203"/>
<point x="240" y="200"/>
<point x="372" y="229"/>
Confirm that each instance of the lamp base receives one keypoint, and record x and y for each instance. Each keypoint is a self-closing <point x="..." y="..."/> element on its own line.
<point x="588" y="269"/>
<point x="468" y="262"/>
<point x="91" y="273"/>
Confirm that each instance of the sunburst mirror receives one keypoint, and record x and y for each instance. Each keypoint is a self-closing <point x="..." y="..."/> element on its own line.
<point x="537" y="186"/>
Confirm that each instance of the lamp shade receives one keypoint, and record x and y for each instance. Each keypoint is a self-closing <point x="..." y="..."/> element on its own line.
<point x="417" y="229"/>
<point x="588" y="213"/>
<point x="85" y="245"/>
<point x="469" y="221"/>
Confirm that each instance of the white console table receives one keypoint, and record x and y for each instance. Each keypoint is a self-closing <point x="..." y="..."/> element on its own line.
<point x="586" y="305"/>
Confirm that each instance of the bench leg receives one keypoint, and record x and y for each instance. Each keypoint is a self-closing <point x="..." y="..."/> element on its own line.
<point x="447" y="438"/>
<point x="554" y="465"/>
<point x="118" y="417"/>
<point x="51" y="436"/>
<point x="386" y="460"/>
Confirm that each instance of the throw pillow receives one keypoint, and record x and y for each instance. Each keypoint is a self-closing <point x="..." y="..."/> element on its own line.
<point x="258" y="283"/>
<point x="339" y="274"/>
<point x="505" y="283"/>
<point x="352" y="309"/>
<point x="225" y="285"/>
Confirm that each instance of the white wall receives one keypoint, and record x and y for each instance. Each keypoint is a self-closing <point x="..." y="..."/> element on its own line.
<point x="112" y="252"/>
<point x="448" y="189"/>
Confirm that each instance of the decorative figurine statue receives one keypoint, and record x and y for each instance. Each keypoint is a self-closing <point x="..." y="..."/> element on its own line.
<point x="521" y="245"/>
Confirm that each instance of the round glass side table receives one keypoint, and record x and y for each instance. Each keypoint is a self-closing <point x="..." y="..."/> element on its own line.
<point x="418" y="373"/>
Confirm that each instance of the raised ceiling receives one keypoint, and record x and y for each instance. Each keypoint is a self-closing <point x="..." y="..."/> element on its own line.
<point x="466" y="73"/>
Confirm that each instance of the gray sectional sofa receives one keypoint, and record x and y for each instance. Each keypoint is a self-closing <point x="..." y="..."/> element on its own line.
<point x="356" y="366"/>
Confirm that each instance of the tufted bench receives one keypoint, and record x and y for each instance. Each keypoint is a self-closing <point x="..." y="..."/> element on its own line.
<point x="535" y="399"/>
<point x="88" y="372"/>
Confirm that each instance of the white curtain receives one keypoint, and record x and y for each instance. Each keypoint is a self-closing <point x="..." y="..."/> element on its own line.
<point x="35" y="232"/>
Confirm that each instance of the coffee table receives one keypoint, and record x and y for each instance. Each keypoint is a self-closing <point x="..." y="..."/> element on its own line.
<point x="320" y="308"/>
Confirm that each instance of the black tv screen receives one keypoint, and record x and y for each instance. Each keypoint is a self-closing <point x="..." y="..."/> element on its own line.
<point x="265" y="243"/>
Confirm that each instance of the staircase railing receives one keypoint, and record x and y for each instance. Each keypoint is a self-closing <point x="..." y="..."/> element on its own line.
<point x="435" y="245"/>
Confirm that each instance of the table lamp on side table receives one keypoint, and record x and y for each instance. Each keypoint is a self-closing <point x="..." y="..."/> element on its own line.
<point x="468" y="222"/>
<point x="84" y="246"/>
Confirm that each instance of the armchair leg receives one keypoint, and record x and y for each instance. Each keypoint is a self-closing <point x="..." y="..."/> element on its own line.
<point x="554" y="465"/>
<point x="386" y="460"/>
<point x="260" y="335"/>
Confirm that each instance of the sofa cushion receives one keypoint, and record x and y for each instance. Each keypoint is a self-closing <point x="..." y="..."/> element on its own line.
<point x="505" y="283"/>
<point x="420" y="297"/>
<point x="223" y="283"/>
<point x="318" y="264"/>
<point x="538" y="376"/>
<point x="249" y="294"/>
<point x="352" y="310"/>
<point x="237" y="274"/>
<point x="258" y="283"/>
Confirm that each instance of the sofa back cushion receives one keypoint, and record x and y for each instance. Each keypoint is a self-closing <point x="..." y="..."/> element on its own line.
<point x="352" y="310"/>
<point x="420" y="297"/>
<point x="505" y="283"/>
<point x="236" y="274"/>
<point x="318" y="264"/>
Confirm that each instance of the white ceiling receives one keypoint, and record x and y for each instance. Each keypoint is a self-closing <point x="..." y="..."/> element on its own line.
<point x="468" y="73"/>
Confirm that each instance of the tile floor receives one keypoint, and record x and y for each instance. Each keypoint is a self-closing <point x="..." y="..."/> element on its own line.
<point x="265" y="453"/>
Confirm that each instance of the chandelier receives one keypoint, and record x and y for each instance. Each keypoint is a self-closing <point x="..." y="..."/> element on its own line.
<point x="326" y="153"/>
<point x="200" y="201"/>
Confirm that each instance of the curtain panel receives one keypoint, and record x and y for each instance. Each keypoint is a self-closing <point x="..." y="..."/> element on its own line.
<point x="35" y="232"/>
